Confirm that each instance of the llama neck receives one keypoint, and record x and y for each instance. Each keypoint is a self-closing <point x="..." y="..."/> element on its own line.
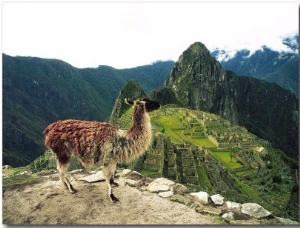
<point x="141" y="124"/>
<point x="138" y="137"/>
<point x="134" y="142"/>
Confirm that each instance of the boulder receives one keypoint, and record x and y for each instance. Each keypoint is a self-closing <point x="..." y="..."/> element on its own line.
<point x="160" y="185"/>
<point x="94" y="177"/>
<point x="78" y="171"/>
<point x="132" y="183"/>
<point x="124" y="172"/>
<point x="228" y="216"/>
<point x="181" y="199"/>
<point x="209" y="210"/>
<point x="165" y="194"/>
<point x="201" y="197"/>
<point x="179" y="189"/>
<point x="254" y="210"/>
<point x="217" y="199"/>
<point x="233" y="205"/>
<point x="134" y="175"/>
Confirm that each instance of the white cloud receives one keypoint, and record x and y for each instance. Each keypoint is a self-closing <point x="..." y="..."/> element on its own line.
<point x="131" y="34"/>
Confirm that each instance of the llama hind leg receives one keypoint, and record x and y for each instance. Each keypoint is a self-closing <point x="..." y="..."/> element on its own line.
<point x="62" y="169"/>
<point x="109" y="173"/>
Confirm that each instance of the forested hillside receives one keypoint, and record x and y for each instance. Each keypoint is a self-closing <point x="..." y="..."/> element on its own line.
<point x="39" y="91"/>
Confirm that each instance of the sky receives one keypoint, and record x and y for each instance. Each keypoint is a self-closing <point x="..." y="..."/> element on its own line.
<point x="128" y="34"/>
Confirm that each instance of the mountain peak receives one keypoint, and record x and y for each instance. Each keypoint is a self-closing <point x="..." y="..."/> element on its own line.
<point x="200" y="82"/>
<point x="197" y="48"/>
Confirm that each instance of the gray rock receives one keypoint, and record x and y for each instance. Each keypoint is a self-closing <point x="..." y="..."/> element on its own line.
<point x="228" y="216"/>
<point x="254" y="210"/>
<point x="201" y="197"/>
<point x="160" y="185"/>
<point x="94" y="177"/>
<point x="217" y="199"/>
<point x="76" y="171"/>
<point x="286" y="221"/>
<point x="134" y="175"/>
<point x="179" y="189"/>
<point x="166" y="194"/>
<point x="124" y="172"/>
<point x="181" y="199"/>
<point x="233" y="205"/>
<point x="132" y="183"/>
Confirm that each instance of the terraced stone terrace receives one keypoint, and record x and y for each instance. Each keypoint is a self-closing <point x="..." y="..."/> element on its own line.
<point x="209" y="153"/>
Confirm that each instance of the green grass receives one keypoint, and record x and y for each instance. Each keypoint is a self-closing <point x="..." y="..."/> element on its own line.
<point x="19" y="179"/>
<point x="147" y="172"/>
<point x="243" y="173"/>
<point x="172" y="127"/>
<point x="204" y="181"/>
<point x="168" y="123"/>
<point x="254" y="195"/>
<point x="227" y="159"/>
<point x="205" y="142"/>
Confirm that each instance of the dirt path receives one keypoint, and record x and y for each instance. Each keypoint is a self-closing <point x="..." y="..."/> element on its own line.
<point x="46" y="202"/>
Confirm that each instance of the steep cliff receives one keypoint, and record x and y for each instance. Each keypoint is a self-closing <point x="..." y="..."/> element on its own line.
<point x="198" y="81"/>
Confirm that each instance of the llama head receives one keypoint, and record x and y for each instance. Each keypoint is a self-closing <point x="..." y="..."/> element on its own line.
<point x="144" y="102"/>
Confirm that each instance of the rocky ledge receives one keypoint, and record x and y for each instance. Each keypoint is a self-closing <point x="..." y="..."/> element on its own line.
<point x="228" y="212"/>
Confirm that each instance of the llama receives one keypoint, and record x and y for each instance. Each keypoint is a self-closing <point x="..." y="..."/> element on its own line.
<point x="98" y="142"/>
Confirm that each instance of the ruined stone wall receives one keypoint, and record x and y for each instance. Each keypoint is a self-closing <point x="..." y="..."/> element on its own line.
<point x="172" y="161"/>
<point x="156" y="155"/>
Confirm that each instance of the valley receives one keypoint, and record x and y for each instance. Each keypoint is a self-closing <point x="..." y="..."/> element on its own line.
<point x="207" y="152"/>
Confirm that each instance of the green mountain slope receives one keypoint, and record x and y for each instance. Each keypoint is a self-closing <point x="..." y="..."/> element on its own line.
<point x="39" y="91"/>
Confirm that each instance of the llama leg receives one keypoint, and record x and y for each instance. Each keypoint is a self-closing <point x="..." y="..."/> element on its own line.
<point x="109" y="172"/>
<point x="62" y="169"/>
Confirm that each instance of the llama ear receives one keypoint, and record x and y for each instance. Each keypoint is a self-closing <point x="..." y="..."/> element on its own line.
<point x="129" y="102"/>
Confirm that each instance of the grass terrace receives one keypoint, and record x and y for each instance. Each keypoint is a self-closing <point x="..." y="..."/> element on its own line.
<point x="227" y="159"/>
<point x="173" y="127"/>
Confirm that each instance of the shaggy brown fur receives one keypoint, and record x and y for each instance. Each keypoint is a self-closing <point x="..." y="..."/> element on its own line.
<point x="93" y="142"/>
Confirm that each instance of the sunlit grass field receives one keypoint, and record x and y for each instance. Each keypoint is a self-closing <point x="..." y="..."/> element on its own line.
<point x="173" y="128"/>
<point x="227" y="159"/>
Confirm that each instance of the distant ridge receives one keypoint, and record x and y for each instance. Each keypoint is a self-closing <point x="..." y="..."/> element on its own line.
<point x="278" y="63"/>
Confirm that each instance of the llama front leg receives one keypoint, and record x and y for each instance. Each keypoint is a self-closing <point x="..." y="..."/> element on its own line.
<point x="62" y="169"/>
<point x="109" y="173"/>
